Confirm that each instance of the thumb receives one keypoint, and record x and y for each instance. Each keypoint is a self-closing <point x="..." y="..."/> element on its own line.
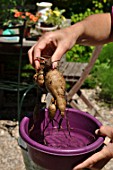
<point x="105" y="131"/>
<point x="98" y="159"/>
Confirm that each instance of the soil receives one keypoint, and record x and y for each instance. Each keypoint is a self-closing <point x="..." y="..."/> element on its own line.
<point x="10" y="153"/>
<point x="43" y="24"/>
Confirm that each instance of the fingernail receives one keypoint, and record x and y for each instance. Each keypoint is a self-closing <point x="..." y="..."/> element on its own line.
<point x="54" y="65"/>
<point x="97" y="132"/>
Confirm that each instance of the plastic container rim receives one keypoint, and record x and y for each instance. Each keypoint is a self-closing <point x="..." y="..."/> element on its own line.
<point x="61" y="152"/>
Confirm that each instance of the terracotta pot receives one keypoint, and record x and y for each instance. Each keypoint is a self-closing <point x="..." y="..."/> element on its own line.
<point x="1" y="30"/>
<point x="27" y="32"/>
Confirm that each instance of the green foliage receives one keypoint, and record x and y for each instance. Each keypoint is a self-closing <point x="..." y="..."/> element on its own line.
<point x="106" y="55"/>
<point x="105" y="78"/>
<point x="79" y="53"/>
<point x="28" y="71"/>
<point x="103" y="72"/>
<point x="76" y="7"/>
<point x="97" y="8"/>
<point x="90" y="82"/>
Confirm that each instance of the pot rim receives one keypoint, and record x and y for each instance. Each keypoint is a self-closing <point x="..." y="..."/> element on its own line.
<point x="60" y="152"/>
<point x="44" y="4"/>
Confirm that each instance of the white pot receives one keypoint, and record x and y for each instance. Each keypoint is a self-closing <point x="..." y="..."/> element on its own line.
<point x="38" y="27"/>
<point x="43" y="7"/>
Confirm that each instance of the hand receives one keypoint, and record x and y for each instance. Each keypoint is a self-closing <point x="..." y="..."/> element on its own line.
<point x="99" y="159"/>
<point x="62" y="39"/>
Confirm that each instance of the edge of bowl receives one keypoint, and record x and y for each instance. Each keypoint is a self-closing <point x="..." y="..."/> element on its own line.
<point x="61" y="152"/>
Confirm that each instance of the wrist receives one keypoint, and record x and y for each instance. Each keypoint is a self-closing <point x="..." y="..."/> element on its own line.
<point x="78" y="31"/>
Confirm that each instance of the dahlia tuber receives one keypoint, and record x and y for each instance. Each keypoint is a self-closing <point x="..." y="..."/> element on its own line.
<point x="55" y="84"/>
<point x="51" y="80"/>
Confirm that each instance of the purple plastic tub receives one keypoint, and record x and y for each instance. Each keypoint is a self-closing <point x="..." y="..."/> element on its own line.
<point x="63" y="149"/>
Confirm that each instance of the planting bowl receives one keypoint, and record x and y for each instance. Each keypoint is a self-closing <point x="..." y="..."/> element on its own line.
<point x="61" y="148"/>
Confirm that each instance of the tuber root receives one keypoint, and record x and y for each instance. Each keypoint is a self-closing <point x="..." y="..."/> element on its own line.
<point x="52" y="110"/>
<point x="51" y="80"/>
<point x="39" y="78"/>
<point x="55" y="84"/>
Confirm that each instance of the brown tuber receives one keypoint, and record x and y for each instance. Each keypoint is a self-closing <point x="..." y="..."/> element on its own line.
<point x="52" y="110"/>
<point x="51" y="80"/>
<point x="55" y="84"/>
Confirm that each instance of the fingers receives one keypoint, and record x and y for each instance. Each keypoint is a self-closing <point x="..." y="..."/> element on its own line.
<point x="39" y="48"/>
<point x="32" y="59"/>
<point x="89" y="162"/>
<point x="58" y="42"/>
<point x="94" y="159"/>
<point x="105" y="131"/>
<point x="34" y="53"/>
<point x="59" y="52"/>
<point x="99" y="159"/>
<point x="31" y="54"/>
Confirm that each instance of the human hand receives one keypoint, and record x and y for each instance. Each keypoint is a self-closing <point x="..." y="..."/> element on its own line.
<point x="62" y="39"/>
<point x="99" y="159"/>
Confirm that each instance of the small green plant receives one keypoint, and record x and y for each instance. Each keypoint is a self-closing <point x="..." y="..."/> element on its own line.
<point x="55" y="17"/>
<point x="79" y="53"/>
<point x="27" y="72"/>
